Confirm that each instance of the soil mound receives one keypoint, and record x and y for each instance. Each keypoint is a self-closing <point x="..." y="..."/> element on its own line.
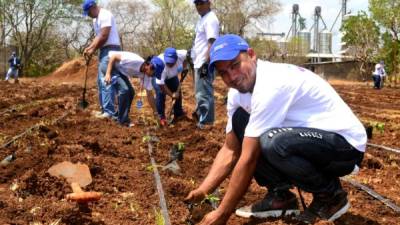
<point x="73" y="72"/>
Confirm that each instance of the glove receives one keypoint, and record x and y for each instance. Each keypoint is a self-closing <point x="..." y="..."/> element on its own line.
<point x="204" y="70"/>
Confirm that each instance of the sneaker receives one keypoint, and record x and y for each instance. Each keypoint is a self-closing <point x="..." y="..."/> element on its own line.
<point x="128" y="125"/>
<point x="203" y="126"/>
<point x="103" y="116"/>
<point x="326" y="206"/>
<point x="96" y="113"/>
<point x="274" y="204"/>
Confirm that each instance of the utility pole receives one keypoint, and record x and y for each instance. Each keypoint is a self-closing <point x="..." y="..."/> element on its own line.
<point x="344" y="8"/>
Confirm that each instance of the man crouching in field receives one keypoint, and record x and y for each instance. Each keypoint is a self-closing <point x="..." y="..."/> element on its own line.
<point x="286" y="127"/>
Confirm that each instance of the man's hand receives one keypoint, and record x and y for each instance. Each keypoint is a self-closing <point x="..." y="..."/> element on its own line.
<point x="204" y="70"/>
<point x="195" y="196"/>
<point x="214" y="218"/>
<point x="107" y="78"/>
<point x="88" y="52"/>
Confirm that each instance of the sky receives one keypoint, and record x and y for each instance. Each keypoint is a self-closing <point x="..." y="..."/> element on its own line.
<point x="329" y="11"/>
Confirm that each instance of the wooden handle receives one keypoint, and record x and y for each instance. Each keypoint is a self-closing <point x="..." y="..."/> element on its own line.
<point x="76" y="188"/>
<point x="80" y="196"/>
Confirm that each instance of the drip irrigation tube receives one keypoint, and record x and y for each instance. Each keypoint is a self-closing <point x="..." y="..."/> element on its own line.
<point x="163" y="203"/>
<point x="372" y="193"/>
<point x="384" y="147"/>
<point x="16" y="137"/>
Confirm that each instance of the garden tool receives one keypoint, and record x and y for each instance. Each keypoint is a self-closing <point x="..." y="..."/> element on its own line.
<point x="139" y="105"/>
<point x="183" y="76"/>
<point x="78" y="175"/>
<point x="83" y="103"/>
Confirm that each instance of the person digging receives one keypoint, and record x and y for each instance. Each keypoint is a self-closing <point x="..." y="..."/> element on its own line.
<point x="286" y="127"/>
<point x="168" y="84"/>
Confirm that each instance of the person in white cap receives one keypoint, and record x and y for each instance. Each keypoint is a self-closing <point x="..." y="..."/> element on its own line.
<point x="287" y="130"/>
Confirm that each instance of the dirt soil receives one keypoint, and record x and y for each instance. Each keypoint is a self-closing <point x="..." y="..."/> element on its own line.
<point x="120" y="164"/>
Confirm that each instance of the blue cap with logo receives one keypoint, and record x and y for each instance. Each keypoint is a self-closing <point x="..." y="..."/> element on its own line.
<point x="226" y="47"/>
<point x="86" y="6"/>
<point x="158" y="66"/>
<point x="170" y="55"/>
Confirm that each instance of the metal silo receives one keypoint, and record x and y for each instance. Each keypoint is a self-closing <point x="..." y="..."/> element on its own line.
<point x="325" y="42"/>
<point x="304" y="41"/>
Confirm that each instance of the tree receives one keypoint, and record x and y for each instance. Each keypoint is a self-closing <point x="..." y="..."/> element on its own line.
<point x="30" y="22"/>
<point x="237" y="15"/>
<point x="131" y="15"/>
<point x="361" y="33"/>
<point x="172" y="25"/>
<point x="387" y="14"/>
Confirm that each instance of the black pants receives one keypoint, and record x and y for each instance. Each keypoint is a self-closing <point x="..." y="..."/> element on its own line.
<point x="308" y="158"/>
<point x="377" y="81"/>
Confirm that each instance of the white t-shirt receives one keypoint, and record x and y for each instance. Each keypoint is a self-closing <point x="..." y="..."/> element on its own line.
<point x="206" y="28"/>
<point x="106" y="19"/>
<point x="289" y="96"/>
<point x="379" y="70"/>
<point x="130" y="66"/>
<point x="170" y="72"/>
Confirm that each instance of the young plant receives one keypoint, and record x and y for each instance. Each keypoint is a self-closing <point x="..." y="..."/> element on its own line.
<point x="158" y="217"/>
<point x="146" y="138"/>
<point x="211" y="198"/>
<point x="181" y="146"/>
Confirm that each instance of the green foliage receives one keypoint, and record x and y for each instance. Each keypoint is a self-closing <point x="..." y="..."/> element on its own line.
<point x="386" y="13"/>
<point x="181" y="146"/>
<point x="213" y="199"/>
<point x="146" y="138"/>
<point x="159" y="219"/>
<point x="265" y="49"/>
<point x="378" y="126"/>
<point x="361" y="32"/>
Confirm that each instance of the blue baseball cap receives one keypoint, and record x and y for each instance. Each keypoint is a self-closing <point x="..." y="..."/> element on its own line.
<point x="170" y="55"/>
<point x="196" y="1"/>
<point x="158" y="66"/>
<point x="86" y="6"/>
<point x="226" y="47"/>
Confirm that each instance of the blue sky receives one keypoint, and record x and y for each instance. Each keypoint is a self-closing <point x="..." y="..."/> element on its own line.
<point x="329" y="11"/>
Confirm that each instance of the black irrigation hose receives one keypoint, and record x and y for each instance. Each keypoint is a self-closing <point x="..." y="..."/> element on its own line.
<point x="31" y="129"/>
<point x="384" y="147"/>
<point x="163" y="203"/>
<point x="372" y="193"/>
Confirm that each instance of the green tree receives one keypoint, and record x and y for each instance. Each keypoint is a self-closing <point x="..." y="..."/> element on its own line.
<point x="171" y="25"/>
<point x="361" y="34"/>
<point x="387" y="14"/>
<point x="31" y="22"/>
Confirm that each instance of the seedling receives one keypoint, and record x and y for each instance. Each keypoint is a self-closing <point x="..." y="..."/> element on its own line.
<point x="151" y="168"/>
<point x="379" y="126"/>
<point x="212" y="199"/>
<point x="158" y="217"/>
<point x="181" y="146"/>
<point x="146" y="138"/>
